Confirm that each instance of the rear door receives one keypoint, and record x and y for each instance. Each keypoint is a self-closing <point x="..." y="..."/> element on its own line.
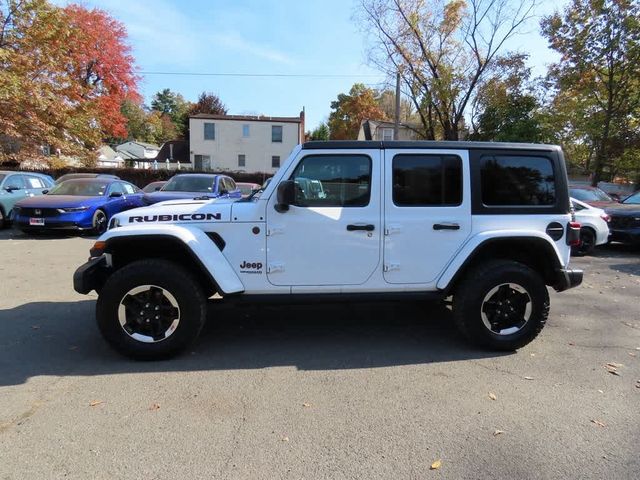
<point x="427" y="212"/>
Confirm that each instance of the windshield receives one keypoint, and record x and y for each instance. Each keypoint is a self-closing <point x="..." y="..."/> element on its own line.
<point x="632" y="200"/>
<point x="189" y="184"/>
<point x="590" y="195"/>
<point x="80" y="188"/>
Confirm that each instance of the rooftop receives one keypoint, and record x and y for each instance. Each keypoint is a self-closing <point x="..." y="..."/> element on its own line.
<point x="425" y="144"/>
<point x="247" y="118"/>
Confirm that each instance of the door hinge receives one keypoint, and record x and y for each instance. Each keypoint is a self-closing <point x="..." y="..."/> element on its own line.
<point x="275" y="267"/>
<point x="274" y="231"/>
<point x="391" y="229"/>
<point x="391" y="266"/>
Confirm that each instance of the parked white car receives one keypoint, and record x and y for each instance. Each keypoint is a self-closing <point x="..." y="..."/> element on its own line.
<point x="594" y="227"/>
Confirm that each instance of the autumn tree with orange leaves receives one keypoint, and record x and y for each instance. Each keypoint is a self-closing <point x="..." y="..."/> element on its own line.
<point x="349" y="110"/>
<point x="64" y="74"/>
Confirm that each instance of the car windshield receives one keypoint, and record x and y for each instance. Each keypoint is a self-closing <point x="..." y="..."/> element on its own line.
<point x="80" y="188"/>
<point x="590" y="195"/>
<point x="632" y="200"/>
<point x="189" y="184"/>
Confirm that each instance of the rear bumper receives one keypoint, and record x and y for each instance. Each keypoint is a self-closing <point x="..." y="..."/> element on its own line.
<point x="567" y="278"/>
<point x="91" y="275"/>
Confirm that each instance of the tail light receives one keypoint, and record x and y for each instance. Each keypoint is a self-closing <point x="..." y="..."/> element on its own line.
<point x="605" y="217"/>
<point x="573" y="234"/>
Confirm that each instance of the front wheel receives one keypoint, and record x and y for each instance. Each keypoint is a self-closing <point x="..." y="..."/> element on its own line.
<point x="99" y="222"/>
<point x="501" y="305"/>
<point x="151" y="309"/>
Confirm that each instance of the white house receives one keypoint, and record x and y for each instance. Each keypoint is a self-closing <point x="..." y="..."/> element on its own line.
<point x="382" y="130"/>
<point x="242" y="143"/>
<point x="109" y="158"/>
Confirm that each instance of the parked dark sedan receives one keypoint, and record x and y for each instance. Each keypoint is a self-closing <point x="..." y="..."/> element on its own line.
<point x="154" y="186"/>
<point x="80" y="204"/>
<point x="625" y="220"/>
<point x="195" y="185"/>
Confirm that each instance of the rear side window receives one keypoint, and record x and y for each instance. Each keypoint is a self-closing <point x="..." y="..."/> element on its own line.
<point x="35" y="182"/>
<point x="427" y="180"/>
<point x="333" y="181"/>
<point x="517" y="180"/>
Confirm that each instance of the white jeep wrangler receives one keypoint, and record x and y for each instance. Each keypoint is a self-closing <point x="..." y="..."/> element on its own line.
<point x="488" y="224"/>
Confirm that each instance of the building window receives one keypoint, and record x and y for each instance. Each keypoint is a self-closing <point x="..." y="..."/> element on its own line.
<point x="242" y="160"/>
<point x="276" y="133"/>
<point x="245" y="131"/>
<point x="387" y="134"/>
<point x="275" y="161"/>
<point x="209" y="131"/>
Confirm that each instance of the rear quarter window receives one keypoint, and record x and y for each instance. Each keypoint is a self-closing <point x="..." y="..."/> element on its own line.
<point x="517" y="180"/>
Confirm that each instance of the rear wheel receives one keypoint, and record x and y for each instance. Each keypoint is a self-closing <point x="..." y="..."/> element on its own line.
<point x="501" y="305"/>
<point x="587" y="243"/>
<point x="3" y="219"/>
<point x="151" y="309"/>
<point x="99" y="222"/>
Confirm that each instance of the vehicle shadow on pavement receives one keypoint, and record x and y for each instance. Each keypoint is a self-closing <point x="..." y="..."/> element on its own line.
<point x="61" y="339"/>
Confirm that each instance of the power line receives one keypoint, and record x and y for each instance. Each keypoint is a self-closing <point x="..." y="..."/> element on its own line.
<point x="292" y="75"/>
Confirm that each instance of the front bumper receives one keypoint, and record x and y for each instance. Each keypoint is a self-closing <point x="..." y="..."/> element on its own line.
<point x="91" y="275"/>
<point x="68" y="221"/>
<point x="631" y="235"/>
<point x="567" y="278"/>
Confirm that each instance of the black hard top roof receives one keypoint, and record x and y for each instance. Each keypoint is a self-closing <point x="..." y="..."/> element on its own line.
<point x="426" y="144"/>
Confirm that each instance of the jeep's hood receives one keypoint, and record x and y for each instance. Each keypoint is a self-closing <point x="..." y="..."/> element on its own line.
<point x="178" y="212"/>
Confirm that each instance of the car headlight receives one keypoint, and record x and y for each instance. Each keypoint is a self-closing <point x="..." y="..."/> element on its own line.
<point x="72" y="209"/>
<point x="114" y="223"/>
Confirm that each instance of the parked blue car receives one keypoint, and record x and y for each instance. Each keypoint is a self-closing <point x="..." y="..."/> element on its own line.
<point x="195" y="185"/>
<point x="16" y="186"/>
<point x="79" y="204"/>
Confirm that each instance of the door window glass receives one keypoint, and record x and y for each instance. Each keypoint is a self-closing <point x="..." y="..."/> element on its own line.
<point x="128" y="188"/>
<point x="15" y="181"/>
<point x="116" y="187"/>
<point x="35" y="182"/>
<point x="333" y="181"/>
<point x="517" y="180"/>
<point x="427" y="180"/>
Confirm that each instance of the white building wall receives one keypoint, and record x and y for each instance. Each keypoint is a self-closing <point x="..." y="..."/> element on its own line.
<point x="229" y="142"/>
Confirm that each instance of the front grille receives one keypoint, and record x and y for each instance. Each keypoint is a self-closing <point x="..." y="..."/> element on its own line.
<point x="39" y="212"/>
<point x="619" y="222"/>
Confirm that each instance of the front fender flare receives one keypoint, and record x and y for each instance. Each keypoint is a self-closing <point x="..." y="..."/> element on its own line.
<point x="204" y="251"/>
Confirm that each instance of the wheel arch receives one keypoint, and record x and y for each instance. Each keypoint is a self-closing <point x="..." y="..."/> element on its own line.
<point x="533" y="251"/>
<point x="207" y="263"/>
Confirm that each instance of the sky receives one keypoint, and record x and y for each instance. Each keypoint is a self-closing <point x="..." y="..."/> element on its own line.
<point x="289" y="37"/>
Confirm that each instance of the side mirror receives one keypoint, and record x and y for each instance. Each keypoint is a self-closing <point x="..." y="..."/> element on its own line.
<point x="286" y="195"/>
<point x="224" y="191"/>
<point x="11" y="188"/>
<point x="115" y="194"/>
<point x="157" y="189"/>
<point x="44" y="192"/>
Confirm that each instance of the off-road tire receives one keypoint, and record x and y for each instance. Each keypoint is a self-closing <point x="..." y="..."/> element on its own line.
<point x="478" y="282"/>
<point x="587" y="243"/>
<point x="164" y="274"/>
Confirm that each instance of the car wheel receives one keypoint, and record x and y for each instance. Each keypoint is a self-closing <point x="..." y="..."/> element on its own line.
<point x="501" y="305"/>
<point x="151" y="309"/>
<point x="99" y="222"/>
<point x="587" y="243"/>
<point x="2" y="219"/>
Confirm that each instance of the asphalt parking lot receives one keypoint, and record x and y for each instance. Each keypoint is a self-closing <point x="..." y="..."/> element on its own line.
<point x="336" y="391"/>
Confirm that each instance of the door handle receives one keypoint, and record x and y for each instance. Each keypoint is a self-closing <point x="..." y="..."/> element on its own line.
<point x="446" y="226"/>
<point x="367" y="228"/>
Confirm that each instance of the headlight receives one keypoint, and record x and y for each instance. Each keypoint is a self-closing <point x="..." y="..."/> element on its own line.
<point x="72" y="209"/>
<point x="114" y="223"/>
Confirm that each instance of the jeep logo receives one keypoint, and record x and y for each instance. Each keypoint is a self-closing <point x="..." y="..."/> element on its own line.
<point x="184" y="217"/>
<point x="251" y="266"/>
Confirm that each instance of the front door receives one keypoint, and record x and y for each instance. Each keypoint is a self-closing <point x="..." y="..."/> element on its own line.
<point x="427" y="212"/>
<point x="331" y="235"/>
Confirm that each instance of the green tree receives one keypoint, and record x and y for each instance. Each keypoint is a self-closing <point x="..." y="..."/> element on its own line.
<point x="321" y="132"/>
<point x="598" y="77"/>
<point x="175" y="106"/>
<point x="506" y="107"/>
<point x="349" y="110"/>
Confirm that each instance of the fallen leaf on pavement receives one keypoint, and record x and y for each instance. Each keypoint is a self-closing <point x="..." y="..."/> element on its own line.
<point x="285" y="439"/>
<point x="571" y="344"/>
<point x="436" y="465"/>
<point x="498" y="432"/>
<point x="306" y="405"/>
<point x="600" y="391"/>
<point x="615" y="365"/>
<point x="598" y="422"/>
<point x="155" y="406"/>
<point x="492" y="396"/>
<point x="95" y="403"/>
<point x="528" y="378"/>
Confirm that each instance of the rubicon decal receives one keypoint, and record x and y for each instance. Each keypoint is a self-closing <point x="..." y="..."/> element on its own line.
<point x="182" y="217"/>
<point x="251" y="267"/>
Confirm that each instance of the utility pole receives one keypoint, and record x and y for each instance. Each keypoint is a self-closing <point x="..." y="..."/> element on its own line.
<point x="396" y="127"/>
